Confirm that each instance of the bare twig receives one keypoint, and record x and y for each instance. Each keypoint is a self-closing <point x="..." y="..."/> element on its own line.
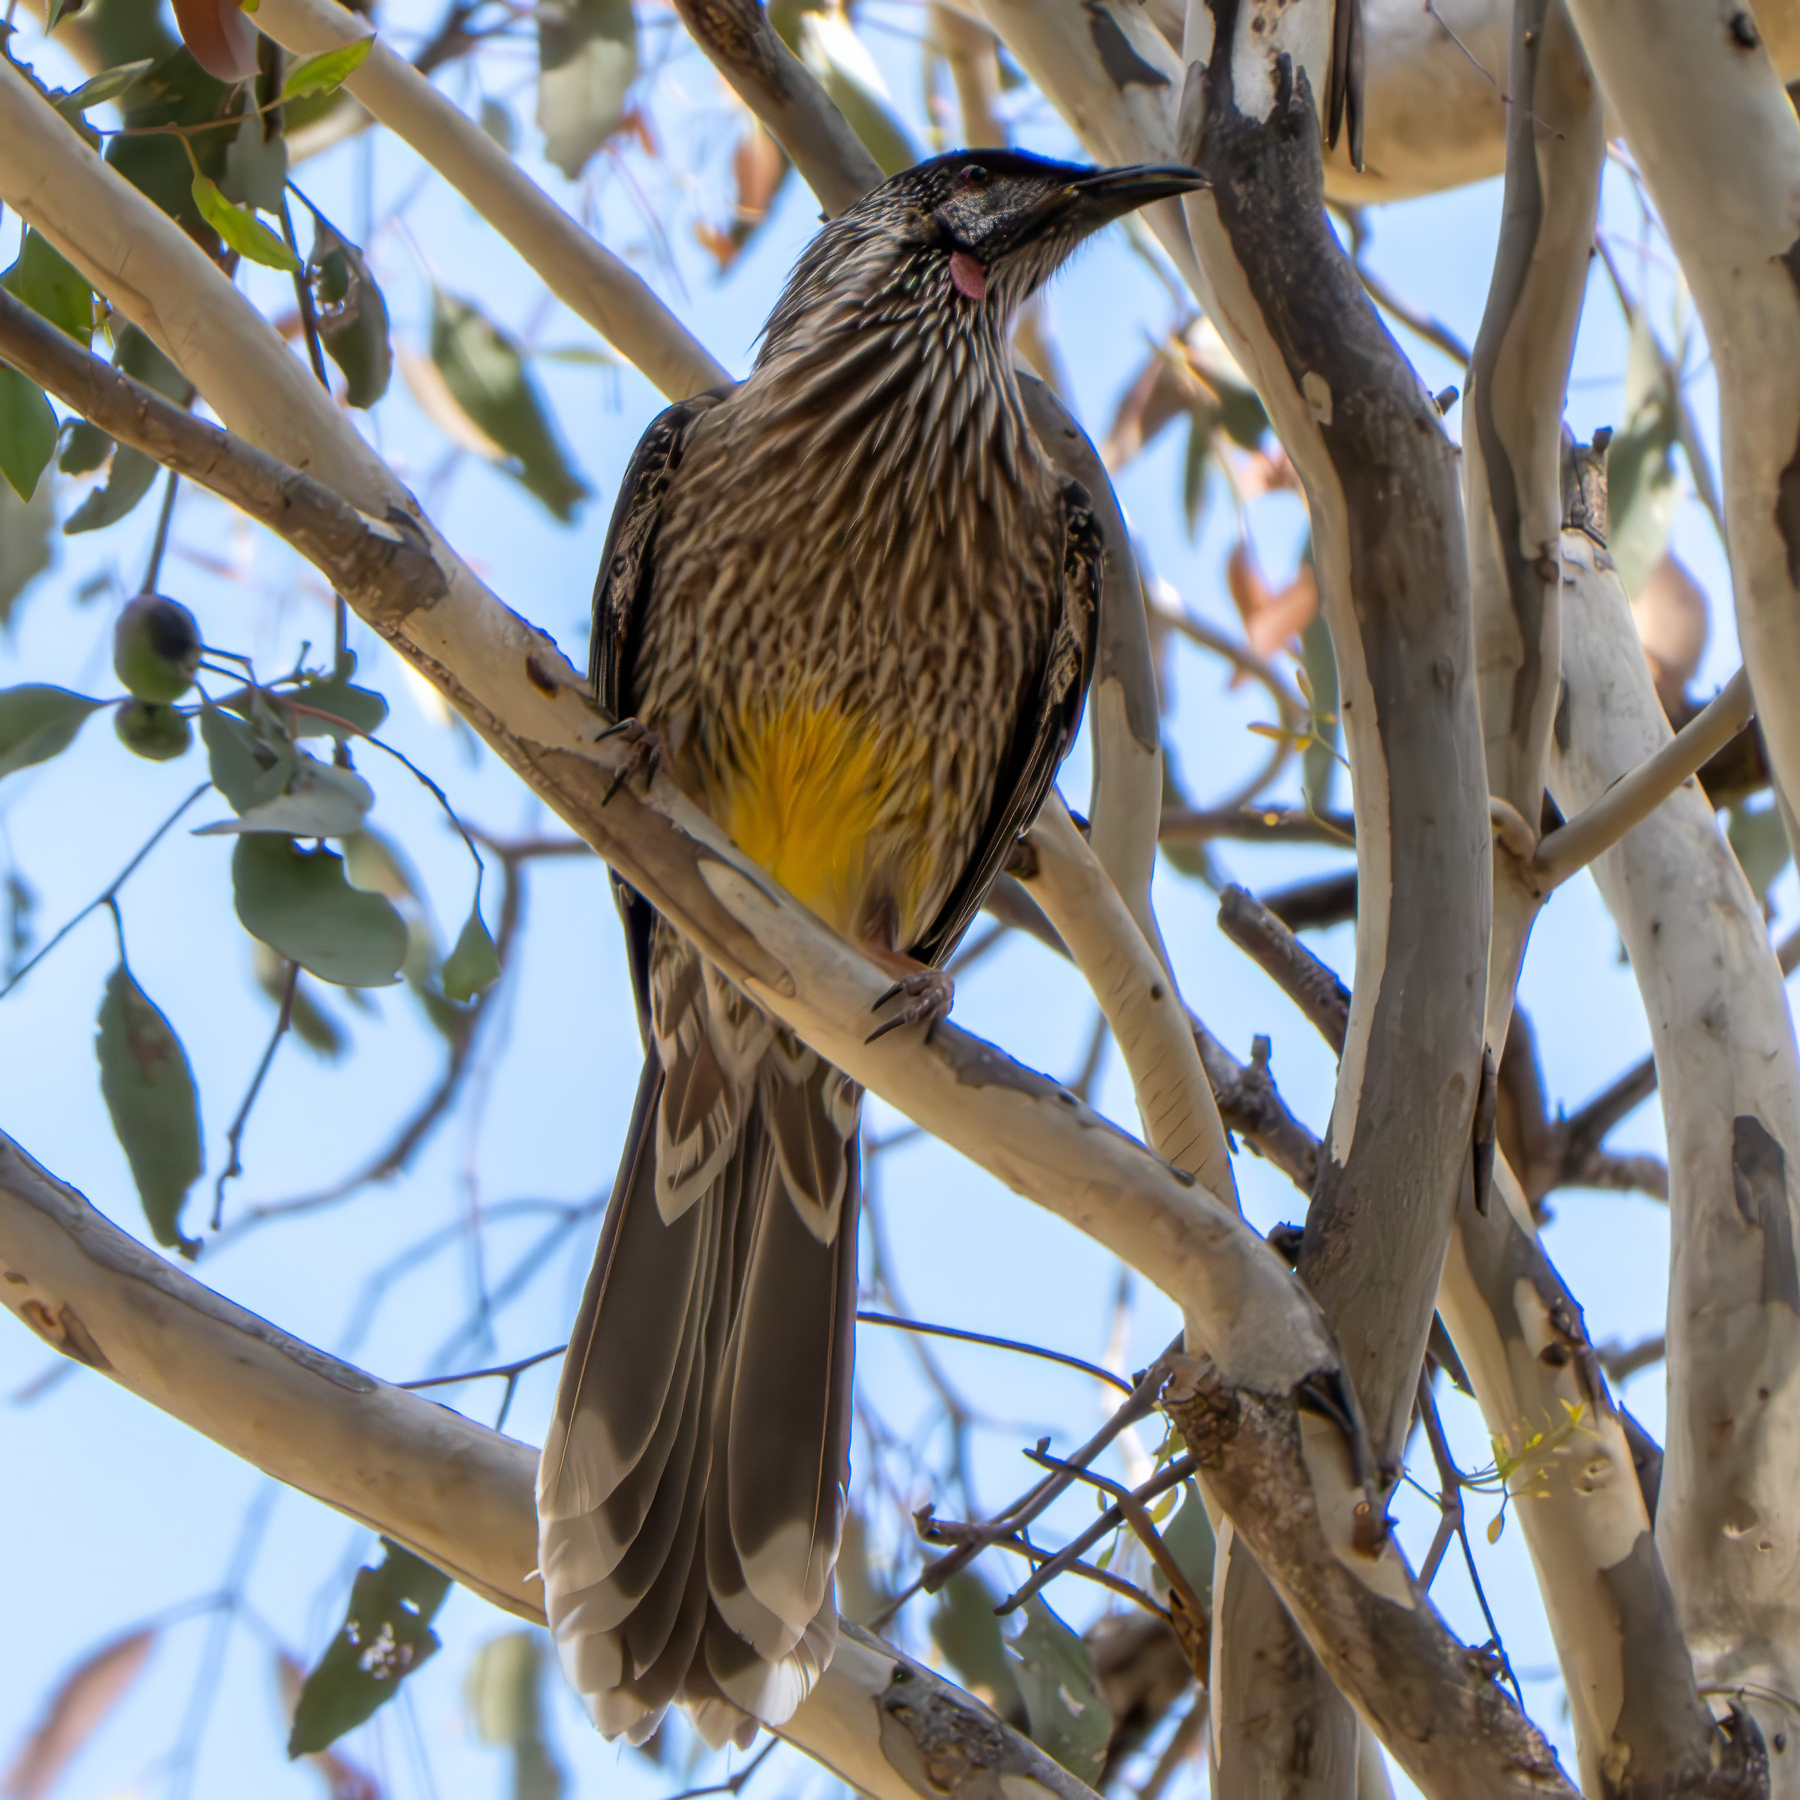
<point x="996" y="1343"/>
<point x="1302" y="976"/>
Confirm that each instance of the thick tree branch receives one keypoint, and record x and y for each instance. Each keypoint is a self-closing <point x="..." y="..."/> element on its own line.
<point x="1716" y="140"/>
<point x="1728" y="1517"/>
<point x="592" y="282"/>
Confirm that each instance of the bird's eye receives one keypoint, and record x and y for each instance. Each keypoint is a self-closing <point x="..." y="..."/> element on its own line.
<point x="973" y="176"/>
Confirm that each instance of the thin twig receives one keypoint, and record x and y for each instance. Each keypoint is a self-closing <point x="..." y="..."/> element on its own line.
<point x="109" y="895"/>
<point x="735" y="1784"/>
<point x="158" y="544"/>
<point x="997" y="1343"/>
<point x="1307" y="981"/>
<point x="234" y="1138"/>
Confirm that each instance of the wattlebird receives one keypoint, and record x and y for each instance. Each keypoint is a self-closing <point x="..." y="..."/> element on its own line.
<point x="849" y="607"/>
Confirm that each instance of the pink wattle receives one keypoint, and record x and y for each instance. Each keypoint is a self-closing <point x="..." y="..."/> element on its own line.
<point x="967" y="276"/>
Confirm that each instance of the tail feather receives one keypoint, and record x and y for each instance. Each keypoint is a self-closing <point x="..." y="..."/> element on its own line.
<point x="691" y="1492"/>
<point x="628" y="1327"/>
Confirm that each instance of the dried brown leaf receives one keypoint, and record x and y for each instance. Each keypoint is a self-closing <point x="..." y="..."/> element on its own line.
<point x="1670" y="613"/>
<point x="76" y="1711"/>
<point x="1272" y="617"/>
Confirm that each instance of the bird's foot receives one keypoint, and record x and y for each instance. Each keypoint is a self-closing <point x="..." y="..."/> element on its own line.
<point x="643" y="754"/>
<point x="925" y="997"/>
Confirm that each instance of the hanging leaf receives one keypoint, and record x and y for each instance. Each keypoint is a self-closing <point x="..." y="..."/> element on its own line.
<point x="58" y="10"/>
<point x="1641" y="483"/>
<point x="300" y="905"/>
<point x="1670" y="612"/>
<point x="352" y="315"/>
<point x="38" y="722"/>
<point x="967" y="1634"/>
<point x="150" y="1097"/>
<point x="1318" y="764"/>
<point x="427" y="386"/>
<point x="222" y="39"/>
<point x="863" y="1591"/>
<point x="336" y="695"/>
<point x="1069" y="1721"/>
<point x="497" y="122"/>
<point x="175" y="90"/>
<point x="308" y="1019"/>
<point x="132" y="473"/>
<point x="245" y="769"/>
<point x="46" y="281"/>
<point x="109" y="84"/>
<point x="319" y="801"/>
<point x="587" y="59"/>
<point x="1761" y="845"/>
<point x="487" y="377"/>
<point x="342" y="1778"/>
<point x="503" y="1690"/>
<point x="386" y="1635"/>
<point x="474" y="964"/>
<point x="256" y="166"/>
<point x="827" y="43"/>
<point x="1189" y="1539"/>
<point x="27" y="431"/>
<point x="76" y="1710"/>
<point x="328" y="69"/>
<point x="245" y="233"/>
<point x="25" y="527"/>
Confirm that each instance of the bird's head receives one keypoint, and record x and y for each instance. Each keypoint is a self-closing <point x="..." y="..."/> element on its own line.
<point x="999" y="223"/>
<point x="961" y="238"/>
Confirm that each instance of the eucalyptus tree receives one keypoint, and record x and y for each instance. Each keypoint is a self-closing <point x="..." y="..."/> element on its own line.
<point x="1492" y="630"/>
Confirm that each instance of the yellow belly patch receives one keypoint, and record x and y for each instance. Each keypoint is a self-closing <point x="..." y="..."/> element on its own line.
<point x="809" y="787"/>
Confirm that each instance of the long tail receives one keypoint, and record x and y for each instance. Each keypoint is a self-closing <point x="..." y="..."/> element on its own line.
<point x="691" y="1491"/>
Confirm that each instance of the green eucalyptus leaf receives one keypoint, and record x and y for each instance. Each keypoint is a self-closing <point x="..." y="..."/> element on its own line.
<point x="109" y="84"/>
<point x="497" y="122"/>
<point x="319" y="800"/>
<point x="1069" y="1721"/>
<point x="385" y="1636"/>
<point x="245" y="769"/>
<point x="25" y="528"/>
<point x="352" y="315"/>
<point x="1189" y="1539"/>
<point x="1760" y="842"/>
<point x="502" y="1689"/>
<point x="27" y="431"/>
<point x="827" y="43"/>
<point x="587" y="60"/>
<point x="335" y="694"/>
<point x="85" y="448"/>
<point x="152" y="1101"/>
<point x="175" y="90"/>
<point x="328" y="69"/>
<point x="474" y="964"/>
<point x="486" y="375"/>
<point x="46" y="281"/>
<point x="967" y="1634"/>
<point x="255" y="167"/>
<point x="1642" y="485"/>
<point x="1318" y="764"/>
<point x="128" y="480"/>
<point x="38" y="722"/>
<point x="298" y="902"/>
<point x="241" y="230"/>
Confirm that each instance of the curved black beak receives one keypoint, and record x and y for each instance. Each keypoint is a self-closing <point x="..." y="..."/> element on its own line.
<point x="1100" y="198"/>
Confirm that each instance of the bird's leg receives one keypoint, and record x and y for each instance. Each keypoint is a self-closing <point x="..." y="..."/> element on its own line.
<point x="925" y="993"/>
<point x="644" y="752"/>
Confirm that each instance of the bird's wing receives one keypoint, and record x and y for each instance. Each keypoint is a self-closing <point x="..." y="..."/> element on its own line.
<point x="1047" y="725"/>
<point x="627" y="569"/>
<point x="628" y="563"/>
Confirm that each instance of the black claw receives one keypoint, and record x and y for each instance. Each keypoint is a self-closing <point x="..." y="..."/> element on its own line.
<point x="892" y="1024"/>
<point x="892" y="993"/>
